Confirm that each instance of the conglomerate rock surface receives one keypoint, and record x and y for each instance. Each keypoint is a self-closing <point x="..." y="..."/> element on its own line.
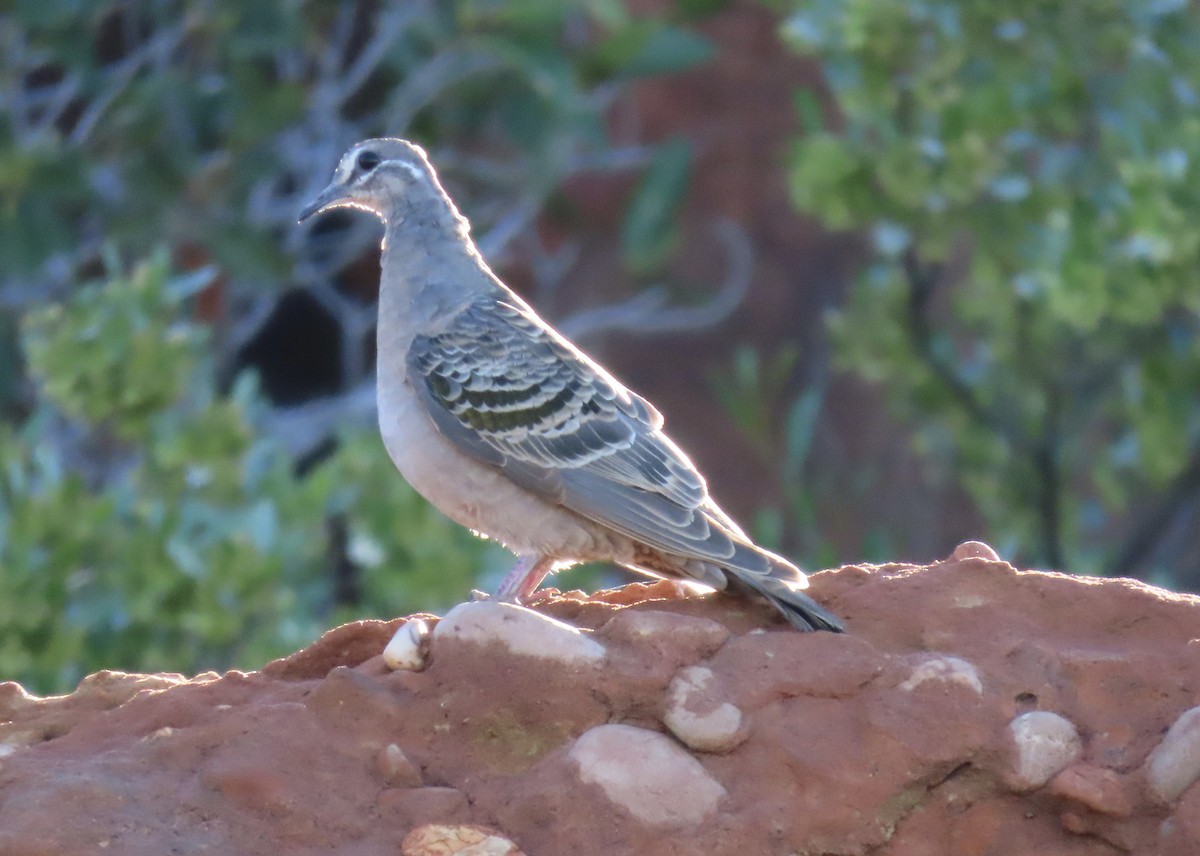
<point x="970" y="709"/>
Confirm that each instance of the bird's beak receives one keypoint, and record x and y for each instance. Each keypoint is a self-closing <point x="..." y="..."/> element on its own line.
<point x="330" y="197"/>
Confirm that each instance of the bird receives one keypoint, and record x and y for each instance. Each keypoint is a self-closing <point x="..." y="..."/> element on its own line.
<point x="511" y="430"/>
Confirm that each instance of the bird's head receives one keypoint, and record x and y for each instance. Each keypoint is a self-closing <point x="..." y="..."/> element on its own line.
<point x="388" y="177"/>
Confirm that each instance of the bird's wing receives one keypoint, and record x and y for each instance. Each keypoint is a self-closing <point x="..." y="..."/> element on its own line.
<point x="510" y="392"/>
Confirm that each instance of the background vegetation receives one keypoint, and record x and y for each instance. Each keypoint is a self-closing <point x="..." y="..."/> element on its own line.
<point x="155" y="511"/>
<point x="183" y="488"/>
<point x="1028" y="175"/>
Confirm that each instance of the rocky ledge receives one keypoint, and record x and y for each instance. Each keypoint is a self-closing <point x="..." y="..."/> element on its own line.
<point x="971" y="709"/>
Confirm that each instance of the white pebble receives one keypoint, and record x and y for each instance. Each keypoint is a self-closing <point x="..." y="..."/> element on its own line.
<point x="1175" y="762"/>
<point x="404" y="651"/>
<point x="648" y="774"/>
<point x="950" y="670"/>
<point x="523" y="631"/>
<point x="697" y="718"/>
<point x="1045" y="744"/>
<point x="974" y="550"/>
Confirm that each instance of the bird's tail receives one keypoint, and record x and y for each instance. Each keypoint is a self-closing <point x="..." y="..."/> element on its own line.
<point x="786" y="595"/>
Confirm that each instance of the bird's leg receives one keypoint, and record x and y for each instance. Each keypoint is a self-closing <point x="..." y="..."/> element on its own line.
<point x="521" y="582"/>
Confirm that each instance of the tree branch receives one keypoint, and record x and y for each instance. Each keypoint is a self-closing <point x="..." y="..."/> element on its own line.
<point x="1046" y="460"/>
<point x="922" y="279"/>
<point x="121" y="75"/>
<point x="648" y="311"/>
<point x="1140" y="544"/>
<point x="1042" y="452"/>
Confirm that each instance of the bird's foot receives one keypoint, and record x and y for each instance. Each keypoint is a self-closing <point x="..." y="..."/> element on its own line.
<point x="477" y="595"/>
<point x="522" y="581"/>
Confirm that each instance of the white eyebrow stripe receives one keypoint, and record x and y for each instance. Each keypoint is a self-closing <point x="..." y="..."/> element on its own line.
<point x="409" y="168"/>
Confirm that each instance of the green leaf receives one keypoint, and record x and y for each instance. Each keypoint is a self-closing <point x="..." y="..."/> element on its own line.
<point x="809" y="111"/>
<point x="612" y="14"/>
<point x="799" y="429"/>
<point x="647" y="48"/>
<point x="668" y="50"/>
<point x="648" y="232"/>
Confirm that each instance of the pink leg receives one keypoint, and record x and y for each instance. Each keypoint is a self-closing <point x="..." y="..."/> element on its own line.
<point x="527" y="574"/>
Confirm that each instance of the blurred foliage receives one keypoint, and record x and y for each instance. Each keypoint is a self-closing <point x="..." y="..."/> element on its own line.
<point x="1029" y="174"/>
<point x="148" y="521"/>
<point x="151" y="517"/>
<point x="648" y="234"/>
<point x="780" y="425"/>
<point x="206" y="123"/>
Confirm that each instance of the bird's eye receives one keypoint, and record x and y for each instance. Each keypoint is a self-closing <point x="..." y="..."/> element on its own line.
<point x="368" y="160"/>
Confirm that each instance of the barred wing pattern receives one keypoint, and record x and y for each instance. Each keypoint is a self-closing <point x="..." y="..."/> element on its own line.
<point x="512" y="393"/>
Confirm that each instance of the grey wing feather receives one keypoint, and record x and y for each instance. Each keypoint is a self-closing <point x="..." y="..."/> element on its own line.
<point x="512" y="393"/>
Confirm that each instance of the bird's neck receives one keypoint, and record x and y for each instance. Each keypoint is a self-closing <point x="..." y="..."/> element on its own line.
<point x="430" y="269"/>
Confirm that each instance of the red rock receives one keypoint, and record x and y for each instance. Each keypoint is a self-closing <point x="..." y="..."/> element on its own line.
<point x="893" y="739"/>
<point x="759" y="667"/>
<point x="1096" y="788"/>
<point x="669" y="590"/>
<point x="412" y="806"/>
<point x="674" y="638"/>
<point x="347" y="692"/>
<point x="1179" y="834"/>
<point x="249" y="786"/>
<point x="348" y="645"/>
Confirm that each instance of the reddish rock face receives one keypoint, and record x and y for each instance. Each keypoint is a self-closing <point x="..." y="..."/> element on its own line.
<point x="970" y="709"/>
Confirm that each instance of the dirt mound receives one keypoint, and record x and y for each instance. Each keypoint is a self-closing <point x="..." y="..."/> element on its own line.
<point x="970" y="709"/>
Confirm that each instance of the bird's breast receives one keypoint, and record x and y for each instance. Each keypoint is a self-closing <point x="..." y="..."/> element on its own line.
<point x="472" y="493"/>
